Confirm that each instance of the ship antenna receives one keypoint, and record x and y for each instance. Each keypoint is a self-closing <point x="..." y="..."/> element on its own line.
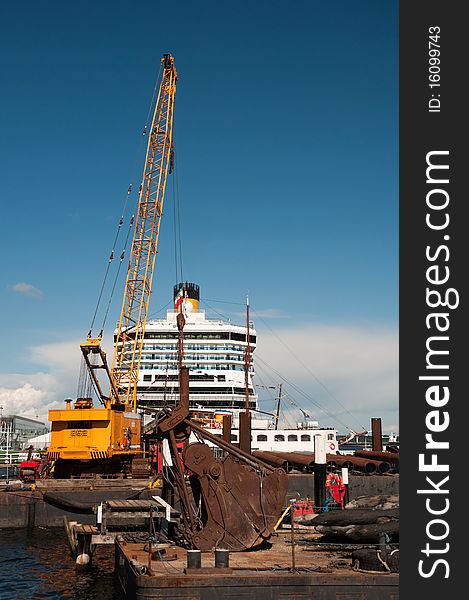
<point x="279" y="399"/>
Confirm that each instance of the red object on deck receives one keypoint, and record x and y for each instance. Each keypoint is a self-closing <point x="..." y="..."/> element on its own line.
<point x="30" y="470"/>
<point x="156" y="455"/>
<point x="303" y="507"/>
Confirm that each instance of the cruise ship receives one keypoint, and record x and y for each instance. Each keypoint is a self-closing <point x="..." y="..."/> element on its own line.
<point x="214" y="352"/>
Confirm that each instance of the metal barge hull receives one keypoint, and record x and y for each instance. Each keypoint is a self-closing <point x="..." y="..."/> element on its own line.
<point x="248" y="578"/>
<point x="22" y="507"/>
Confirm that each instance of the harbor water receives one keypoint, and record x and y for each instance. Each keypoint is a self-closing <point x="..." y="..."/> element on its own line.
<point x="38" y="566"/>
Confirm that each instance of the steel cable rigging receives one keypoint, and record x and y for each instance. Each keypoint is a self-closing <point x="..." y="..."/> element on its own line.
<point x="127" y="198"/>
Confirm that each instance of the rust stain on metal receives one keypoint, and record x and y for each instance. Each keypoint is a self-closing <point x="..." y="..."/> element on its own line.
<point x="242" y="507"/>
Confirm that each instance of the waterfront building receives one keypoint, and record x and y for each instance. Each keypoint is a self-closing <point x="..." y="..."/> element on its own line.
<point x="15" y="432"/>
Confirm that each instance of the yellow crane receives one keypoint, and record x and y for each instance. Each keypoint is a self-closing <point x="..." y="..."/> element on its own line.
<point x="106" y="439"/>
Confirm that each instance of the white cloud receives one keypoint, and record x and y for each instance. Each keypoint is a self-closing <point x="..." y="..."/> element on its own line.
<point x="28" y="395"/>
<point x="358" y="366"/>
<point x="26" y="289"/>
<point x="34" y="394"/>
<point x="61" y="357"/>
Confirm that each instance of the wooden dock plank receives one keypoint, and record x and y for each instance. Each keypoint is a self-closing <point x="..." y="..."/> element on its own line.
<point x="85" y="529"/>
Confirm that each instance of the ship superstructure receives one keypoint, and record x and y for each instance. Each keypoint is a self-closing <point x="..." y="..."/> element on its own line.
<point x="214" y="352"/>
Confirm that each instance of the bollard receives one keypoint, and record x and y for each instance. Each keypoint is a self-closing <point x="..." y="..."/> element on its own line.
<point x="345" y="481"/>
<point x="222" y="558"/>
<point x="194" y="559"/>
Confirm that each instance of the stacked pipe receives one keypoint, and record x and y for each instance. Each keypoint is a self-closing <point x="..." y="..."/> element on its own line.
<point x="390" y="457"/>
<point x="305" y="462"/>
<point x="357" y="463"/>
<point x="295" y="460"/>
<point x="275" y="461"/>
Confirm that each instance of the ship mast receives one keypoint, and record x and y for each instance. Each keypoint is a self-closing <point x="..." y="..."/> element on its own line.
<point x="279" y="399"/>
<point x="247" y="358"/>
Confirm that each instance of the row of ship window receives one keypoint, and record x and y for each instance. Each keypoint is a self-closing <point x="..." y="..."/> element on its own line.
<point x="194" y="367"/>
<point x="173" y="347"/>
<point x="261" y="437"/>
<point x="174" y="390"/>
<point x="167" y="378"/>
<point x="228" y="402"/>
<point x="238" y="337"/>
<point x="224" y="357"/>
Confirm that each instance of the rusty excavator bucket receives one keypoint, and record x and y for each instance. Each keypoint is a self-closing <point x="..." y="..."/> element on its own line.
<point x="236" y="501"/>
<point x="241" y="503"/>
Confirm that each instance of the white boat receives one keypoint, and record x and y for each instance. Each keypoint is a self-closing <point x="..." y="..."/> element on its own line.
<point x="364" y="441"/>
<point x="265" y="437"/>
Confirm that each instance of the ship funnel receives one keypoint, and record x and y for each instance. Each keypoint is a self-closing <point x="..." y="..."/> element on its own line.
<point x="187" y="295"/>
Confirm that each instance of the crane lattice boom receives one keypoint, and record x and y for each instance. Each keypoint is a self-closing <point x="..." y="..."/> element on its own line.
<point x="130" y="330"/>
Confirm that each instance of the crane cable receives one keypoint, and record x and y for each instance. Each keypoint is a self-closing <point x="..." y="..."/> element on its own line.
<point x="121" y="220"/>
<point x="175" y="229"/>
<point x="177" y="219"/>
<point x="301" y="392"/>
<point x="205" y="303"/>
<point x="121" y="260"/>
<point x="325" y="388"/>
<point x="304" y="394"/>
<point x="111" y="258"/>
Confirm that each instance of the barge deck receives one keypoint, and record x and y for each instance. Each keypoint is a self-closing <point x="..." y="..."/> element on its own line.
<point x="265" y="574"/>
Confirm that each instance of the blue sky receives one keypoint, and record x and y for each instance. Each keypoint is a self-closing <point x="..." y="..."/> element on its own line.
<point x="287" y="159"/>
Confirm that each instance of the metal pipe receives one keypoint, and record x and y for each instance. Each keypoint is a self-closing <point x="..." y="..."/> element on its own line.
<point x="383" y="467"/>
<point x="227" y="428"/>
<point x="275" y="461"/>
<point x="247" y="359"/>
<point x="386" y="456"/>
<point x="320" y="486"/>
<point x="376" y="435"/>
<point x="295" y="458"/>
<point x="337" y="460"/>
<point x="355" y="463"/>
<point x="277" y="412"/>
<point x="368" y="465"/>
<point x="245" y="432"/>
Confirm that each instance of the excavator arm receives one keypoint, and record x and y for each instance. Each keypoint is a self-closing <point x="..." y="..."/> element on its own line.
<point x="241" y="497"/>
